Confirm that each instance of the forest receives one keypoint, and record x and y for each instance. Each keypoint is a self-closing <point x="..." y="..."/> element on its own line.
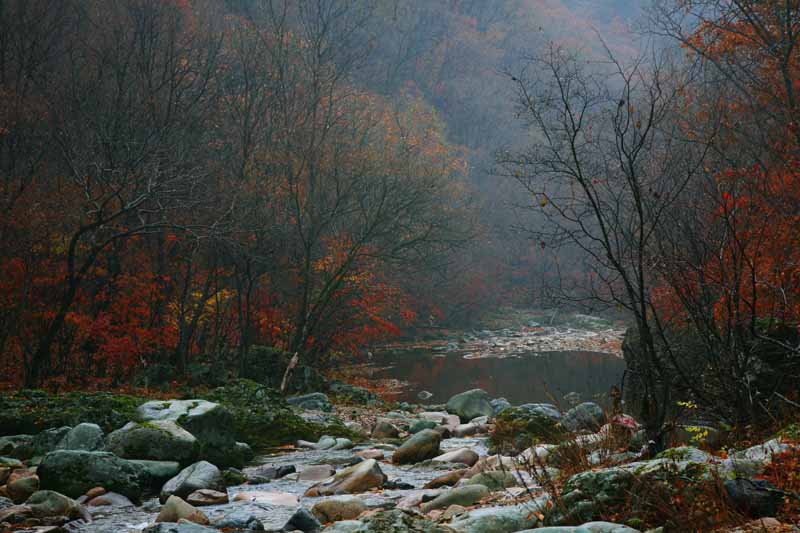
<point x="211" y="195"/>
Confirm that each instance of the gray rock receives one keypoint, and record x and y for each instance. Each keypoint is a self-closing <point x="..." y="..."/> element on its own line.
<point x="47" y="440"/>
<point x="211" y="424"/>
<point x="17" y="446"/>
<point x="499" y="405"/>
<point x="755" y="497"/>
<point x="73" y="472"/>
<point x="419" y="425"/>
<point x="22" y="487"/>
<point x="159" y="440"/>
<point x="316" y="401"/>
<point x="421" y="446"/>
<point x="50" y="503"/>
<point x="466" y="496"/>
<point x="338" y="508"/>
<point x="506" y="519"/>
<point x="239" y="520"/>
<point x="394" y="521"/>
<point x="587" y="416"/>
<point x="384" y="429"/>
<point x="470" y="404"/>
<point x="544" y="409"/>
<point x="84" y="436"/>
<point x="303" y="520"/>
<point x="201" y="475"/>
<point x="158" y="472"/>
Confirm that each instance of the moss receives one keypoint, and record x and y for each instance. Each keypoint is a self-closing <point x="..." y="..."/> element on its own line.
<point x="263" y="419"/>
<point x="31" y="411"/>
<point x="790" y="432"/>
<point x="674" y="454"/>
<point x="516" y="429"/>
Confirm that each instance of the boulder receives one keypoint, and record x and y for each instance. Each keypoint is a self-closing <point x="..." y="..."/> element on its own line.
<point x="505" y="519"/>
<point x="73" y="472"/>
<point x="157" y="472"/>
<point x="465" y="496"/>
<point x="160" y="440"/>
<point x="303" y="520"/>
<point x="48" y="440"/>
<point x="384" y="429"/>
<point x="17" y="446"/>
<point x="755" y="497"/>
<point x="201" y="475"/>
<point x="499" y="405"/>
<point x="338" y="508"/>
<point x="21" y="488"/>
<point x="50" y="503"/>
<point x="470" y="404"/>
<point x="236" y="519"/>
<point x="544" y="409"/>
<point x="84" y="436"/>
<point x="421" y="446"/>
<point x="418" y="425"/>
<point x="316" y="401"/>
<point x="211" y="424"/>
<point x="461" y="455"/>
<point x="358" y="478"/>
<point x="176" y="509"/>
<point x="202" y="497"/>
<point x="587" y="416"/>
<point x="393" y="521"/>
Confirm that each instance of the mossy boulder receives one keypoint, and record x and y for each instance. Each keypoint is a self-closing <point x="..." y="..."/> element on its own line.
<point x="159" y="440"/>
<point x="73" y="472"/>
<point x="419" y="447"/>
<point x="516" y="429"/>
<point x="470" y="404"/>
<point x="263" y="419"/>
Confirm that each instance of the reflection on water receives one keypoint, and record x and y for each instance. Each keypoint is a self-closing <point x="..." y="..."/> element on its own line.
<point x="535" y="377"/>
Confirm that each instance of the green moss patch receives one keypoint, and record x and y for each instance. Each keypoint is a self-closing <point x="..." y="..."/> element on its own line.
<point x="31" y="411"/>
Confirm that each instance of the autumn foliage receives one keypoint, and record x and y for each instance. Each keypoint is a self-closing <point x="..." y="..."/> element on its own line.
<point x="181" y="180"/>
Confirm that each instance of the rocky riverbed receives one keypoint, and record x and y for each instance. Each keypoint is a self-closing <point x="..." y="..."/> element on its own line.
<point x="466" y="466"/>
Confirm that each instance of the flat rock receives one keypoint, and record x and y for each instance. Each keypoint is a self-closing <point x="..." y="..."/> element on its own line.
<point x="316" y="473"/>
<point x="204" y="497"/>
<point x="266" y="497"/>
